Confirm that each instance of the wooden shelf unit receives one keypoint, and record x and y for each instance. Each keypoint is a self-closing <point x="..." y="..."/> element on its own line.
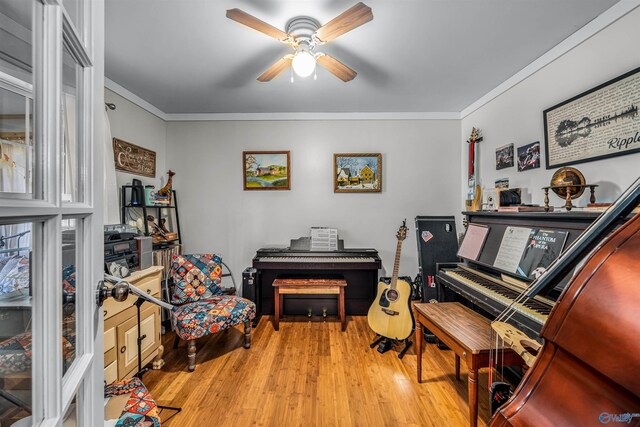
<point x="126" y="204"/>
<point x="121" y="329"/>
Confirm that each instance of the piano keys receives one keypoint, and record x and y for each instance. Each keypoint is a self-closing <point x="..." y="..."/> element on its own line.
<point x="489" y="290"/>
<point x="359" y="267"/>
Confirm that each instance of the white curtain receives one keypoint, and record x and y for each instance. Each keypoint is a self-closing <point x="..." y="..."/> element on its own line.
<point x="111" y="215"/>
<point x="70" y="149"/>
<point x="13" y="171"/>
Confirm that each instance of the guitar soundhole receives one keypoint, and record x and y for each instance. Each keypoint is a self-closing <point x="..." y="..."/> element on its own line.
<point x="392" y="295"/>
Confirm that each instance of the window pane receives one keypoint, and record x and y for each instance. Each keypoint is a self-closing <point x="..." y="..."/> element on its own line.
<point x="69" y="273"/>
<point x="16" y="39"/>
<point x="71" y="416"/>
<point x="71" y="143"/>
<point x="74" y="10"/>
<point x="15" y="324"/>
<point x="16" y="144"/>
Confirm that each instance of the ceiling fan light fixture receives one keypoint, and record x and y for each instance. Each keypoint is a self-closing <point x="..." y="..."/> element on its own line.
<point x="304" y="63"/>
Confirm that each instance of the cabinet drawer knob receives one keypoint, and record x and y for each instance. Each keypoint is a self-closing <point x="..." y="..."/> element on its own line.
<point x="123" y="349"/>
<point x="105" y="313"/>
<point x="149" y="291"/>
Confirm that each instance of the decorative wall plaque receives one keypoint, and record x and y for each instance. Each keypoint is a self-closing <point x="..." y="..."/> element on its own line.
<point x="134" y="159"/>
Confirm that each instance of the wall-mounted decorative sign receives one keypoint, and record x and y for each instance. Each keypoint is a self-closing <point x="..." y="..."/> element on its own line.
<point x="529" y="156"/>
<point x="266" y="170"/>
<point x="504" y="157"/>
<point x="599" y="123"/>
<point x="357" y="173"/>
<point x="134" y="159"/>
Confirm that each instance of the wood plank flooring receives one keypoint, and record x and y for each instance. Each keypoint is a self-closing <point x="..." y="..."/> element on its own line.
<point x="312" y="374"/>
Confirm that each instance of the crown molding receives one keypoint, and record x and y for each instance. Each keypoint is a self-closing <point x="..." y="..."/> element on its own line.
<point x="197" y="117"/>
<point x="132" y="97"/>
<point x="311" y="116"/>
<point x="592" y="28"/>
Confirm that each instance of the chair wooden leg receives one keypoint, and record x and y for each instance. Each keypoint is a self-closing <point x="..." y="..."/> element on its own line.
<point x="192" y="355"/>
<point x="247" y="333"/>
<point x="176" y="341"/>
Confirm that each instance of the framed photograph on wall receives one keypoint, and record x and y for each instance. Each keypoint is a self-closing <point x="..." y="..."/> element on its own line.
<point x="529" y="156"/>
<point x="266" y="170"/>
<point x="504" y="157"/>
<point x="600" y="123"/>
<point x="357" y="173"/>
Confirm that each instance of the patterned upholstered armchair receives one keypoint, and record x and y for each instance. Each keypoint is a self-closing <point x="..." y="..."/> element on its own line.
<point x="201" y="306"/>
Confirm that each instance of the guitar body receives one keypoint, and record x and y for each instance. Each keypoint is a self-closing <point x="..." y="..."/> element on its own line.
<point x="476" y="203"/>
<point x="390" y="314"/>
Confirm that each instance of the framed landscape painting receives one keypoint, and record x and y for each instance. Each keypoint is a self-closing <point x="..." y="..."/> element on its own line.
<point x="357" y="173"/>
<point x="266" y="170"/>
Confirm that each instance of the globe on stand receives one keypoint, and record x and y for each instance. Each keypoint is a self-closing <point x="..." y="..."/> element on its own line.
<point x="568" y="183"/>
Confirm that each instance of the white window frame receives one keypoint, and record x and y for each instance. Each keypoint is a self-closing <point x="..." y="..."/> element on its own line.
<point x="51" y="392"/>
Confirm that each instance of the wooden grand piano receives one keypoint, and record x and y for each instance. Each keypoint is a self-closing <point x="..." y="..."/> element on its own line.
<point x="359" y="267"/>
<point x="483" y="287"/>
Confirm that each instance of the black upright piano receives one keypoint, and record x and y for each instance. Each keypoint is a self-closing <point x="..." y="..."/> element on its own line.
<point x="359" y="267"/>
<point x="489" y="290"/>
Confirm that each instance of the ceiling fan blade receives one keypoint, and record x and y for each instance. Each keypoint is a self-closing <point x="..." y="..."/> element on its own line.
<point x="345" y="22"/>
<point x="252" y="22"/>
<point x="273" y="71"/>
<point x="336" y="67"/>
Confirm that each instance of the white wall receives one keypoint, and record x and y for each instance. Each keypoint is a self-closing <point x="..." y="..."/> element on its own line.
<point x="421" y="176"/>
<point x="516" y="115"/>
<point x="137" y="126"/>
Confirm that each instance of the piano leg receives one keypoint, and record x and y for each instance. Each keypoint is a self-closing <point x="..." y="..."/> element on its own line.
<point x="276" y="311"/>
<point x="473" y="392"/>
<point x="419" y="348"/>
<point x="341" y="313"/>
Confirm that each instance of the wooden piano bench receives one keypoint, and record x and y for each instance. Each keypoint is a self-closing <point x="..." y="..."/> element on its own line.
<point x="283" y="287"/>
<point x="465" y="332"/>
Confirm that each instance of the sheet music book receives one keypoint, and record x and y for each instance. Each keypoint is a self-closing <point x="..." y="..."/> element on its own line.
<point x="324" y="239"/>
<point x="514" y="241"/>
<point x="543" y="248"/>
<point x="473" y="241"/>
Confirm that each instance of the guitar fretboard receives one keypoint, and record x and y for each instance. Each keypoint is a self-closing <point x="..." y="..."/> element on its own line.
<point x="396" y="265"/>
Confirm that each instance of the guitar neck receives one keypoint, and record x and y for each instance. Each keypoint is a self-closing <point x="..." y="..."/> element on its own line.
<point x="396" y="265"/>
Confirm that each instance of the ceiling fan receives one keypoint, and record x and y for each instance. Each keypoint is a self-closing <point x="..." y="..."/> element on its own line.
<point x="303" y="34"/>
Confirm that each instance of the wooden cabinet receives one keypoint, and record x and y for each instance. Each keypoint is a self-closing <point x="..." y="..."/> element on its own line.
<point x="121" y="329"/>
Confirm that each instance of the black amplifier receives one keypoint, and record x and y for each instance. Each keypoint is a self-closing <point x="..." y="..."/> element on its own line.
<point x="121" y="250"/>
<point x="251" y="291"/>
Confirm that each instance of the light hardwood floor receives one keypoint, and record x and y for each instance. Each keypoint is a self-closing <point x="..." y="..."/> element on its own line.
<point x="311" y="374"/>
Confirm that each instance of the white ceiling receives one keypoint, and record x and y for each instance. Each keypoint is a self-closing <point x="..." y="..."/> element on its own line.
<point x="185" y="56"/>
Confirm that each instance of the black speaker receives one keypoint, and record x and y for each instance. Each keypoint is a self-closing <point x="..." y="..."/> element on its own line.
<point x="437" y="242"/>
<point x="137" y="193"/>
<point x="251" y="290"/>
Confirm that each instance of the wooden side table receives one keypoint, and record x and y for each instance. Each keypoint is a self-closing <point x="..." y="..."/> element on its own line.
<point x="465" y="332"/>
<point x="309" y="287"/>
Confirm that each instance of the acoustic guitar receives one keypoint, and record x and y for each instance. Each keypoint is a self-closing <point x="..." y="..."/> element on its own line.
<point x="390" y="314"/>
